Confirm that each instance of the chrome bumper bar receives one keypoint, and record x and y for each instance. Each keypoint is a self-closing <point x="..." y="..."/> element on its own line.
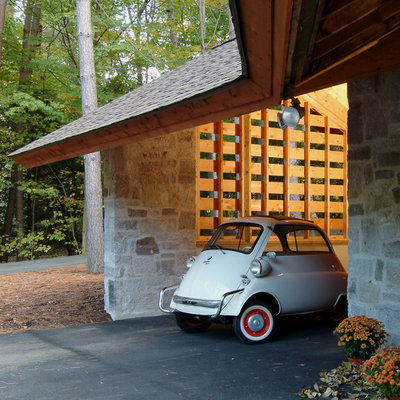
<point x="221" y="302"/>
<point x="161" y="298"/>
<point x="218" y="304"/>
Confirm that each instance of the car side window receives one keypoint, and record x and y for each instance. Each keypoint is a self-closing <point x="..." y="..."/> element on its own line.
<point x="274" y="244"/>
<point x="306" y="240"/>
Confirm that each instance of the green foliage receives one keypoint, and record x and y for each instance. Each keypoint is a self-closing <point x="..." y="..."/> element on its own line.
<point x="134" y="42"/>
<point x="27" y="246"/>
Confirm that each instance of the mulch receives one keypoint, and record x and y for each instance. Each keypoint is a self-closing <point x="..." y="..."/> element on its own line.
<point x="53" y="298"/>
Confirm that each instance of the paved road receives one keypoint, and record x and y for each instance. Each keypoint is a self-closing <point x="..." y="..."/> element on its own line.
<point x="150" y="358"/>
<point x="36" y="265"/>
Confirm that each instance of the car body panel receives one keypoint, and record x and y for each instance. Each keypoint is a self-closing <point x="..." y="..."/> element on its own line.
<point x="300" y="282"/>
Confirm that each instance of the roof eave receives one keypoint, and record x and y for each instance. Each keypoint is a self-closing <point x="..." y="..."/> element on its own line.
<point x="259" y="86"/>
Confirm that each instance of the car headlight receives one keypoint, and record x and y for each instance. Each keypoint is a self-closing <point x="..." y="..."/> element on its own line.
<point x="189" y="261"/>
<point x="260" y="267"/>
<point x="255" y="267"/>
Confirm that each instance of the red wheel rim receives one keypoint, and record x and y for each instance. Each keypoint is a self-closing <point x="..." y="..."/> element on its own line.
<point x="264" y="316"/>
<point x="193" y="322"/>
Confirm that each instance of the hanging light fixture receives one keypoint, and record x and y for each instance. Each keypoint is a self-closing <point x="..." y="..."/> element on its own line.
<point x="290" y="116"/>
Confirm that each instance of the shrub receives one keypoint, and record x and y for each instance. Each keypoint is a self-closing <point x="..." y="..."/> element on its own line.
<point x="383" y="370"/>
<point x="360" y="336"/>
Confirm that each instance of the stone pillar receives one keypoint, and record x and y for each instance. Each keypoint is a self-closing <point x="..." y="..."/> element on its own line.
<point x="374" y="199"/>
<point x="149" y="220"/>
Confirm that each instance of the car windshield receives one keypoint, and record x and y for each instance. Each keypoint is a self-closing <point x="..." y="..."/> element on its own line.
<point x="238" y="237"/>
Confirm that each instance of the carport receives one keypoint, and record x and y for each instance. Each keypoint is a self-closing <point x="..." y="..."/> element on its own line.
<point x="283" y="49"/>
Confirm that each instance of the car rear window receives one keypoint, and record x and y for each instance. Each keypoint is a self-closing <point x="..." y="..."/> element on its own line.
<point x="306" y="241"/>
<point x="289" y="239"/>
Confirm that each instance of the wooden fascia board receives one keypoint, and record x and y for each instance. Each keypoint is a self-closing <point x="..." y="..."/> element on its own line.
<point x="379" y="56"/>
<point x="264" y="27"/>
<point x="242" y="99"/>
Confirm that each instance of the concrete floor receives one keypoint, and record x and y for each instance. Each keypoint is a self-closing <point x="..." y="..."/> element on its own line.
<point x="150" y="358"/>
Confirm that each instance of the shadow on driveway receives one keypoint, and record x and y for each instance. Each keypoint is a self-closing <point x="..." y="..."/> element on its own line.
<point x="150" y="358"/>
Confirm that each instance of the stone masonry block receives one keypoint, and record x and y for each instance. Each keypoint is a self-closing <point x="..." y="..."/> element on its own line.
<point x="132" y="212"/>
<point x="187" y="220"/>
<point x="379" y="270"/>
<point x="384" y="174"/>
<point x="356" y="209"/>
<point x="392" y="249"/>
<point x="389" y="230"/>
<point x="122" y="186"/>
<point x="187" y="170"/>
<point x="166" y="266"/>
<point x="127" y="225"/>
<point x="393" y="276"/>
<point x="355" y="181"/>
<point x="377" y="127"/>
<point x="396" y="195"/>
<point x="169" y="212"/>
<point x="368" y="174"/>
<point x="389" y="159"/>
<point x="370" y="243"/>
<point x="361" y="153"/>
<point x="356" y="124"/>
<point x="147" y="246"/>
<point x="368" y="292"/>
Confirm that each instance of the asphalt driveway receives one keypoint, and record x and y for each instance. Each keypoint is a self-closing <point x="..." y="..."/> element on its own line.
<point x="150" y="358"/>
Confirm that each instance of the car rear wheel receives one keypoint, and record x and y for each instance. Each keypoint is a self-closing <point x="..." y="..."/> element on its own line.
<point x="256" y="323"/>
<point x="192" y="323"/>
<point x="337" y="313"/>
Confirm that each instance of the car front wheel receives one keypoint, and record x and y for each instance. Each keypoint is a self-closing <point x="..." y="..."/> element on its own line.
<point x="192" y="323"/>
<point x="256" y="323"/>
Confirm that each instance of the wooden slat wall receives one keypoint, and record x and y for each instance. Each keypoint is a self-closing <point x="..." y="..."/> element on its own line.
<point x="249" y="166"/>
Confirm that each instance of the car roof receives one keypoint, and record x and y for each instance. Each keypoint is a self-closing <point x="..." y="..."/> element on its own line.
<point x="271" y="220"/>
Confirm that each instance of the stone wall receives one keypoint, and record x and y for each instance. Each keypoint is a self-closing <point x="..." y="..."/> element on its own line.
<point x="374" y="199"/>
<point x="149" y="220"/>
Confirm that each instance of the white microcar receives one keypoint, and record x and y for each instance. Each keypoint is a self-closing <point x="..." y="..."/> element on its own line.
<point x="255" y="269"/>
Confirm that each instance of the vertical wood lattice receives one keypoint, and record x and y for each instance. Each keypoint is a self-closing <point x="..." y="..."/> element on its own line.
<point x="249" y="166"/>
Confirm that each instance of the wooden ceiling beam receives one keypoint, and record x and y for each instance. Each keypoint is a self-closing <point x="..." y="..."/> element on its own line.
<point x="370" y="26"/>
<point x="371" y="34"/>
<point x="377" y="57"/>
<point x="334" y="7"/>
<point x="338" y="15"/>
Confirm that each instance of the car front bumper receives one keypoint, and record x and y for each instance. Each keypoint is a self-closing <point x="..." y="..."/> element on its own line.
<point x="213" y="304"/>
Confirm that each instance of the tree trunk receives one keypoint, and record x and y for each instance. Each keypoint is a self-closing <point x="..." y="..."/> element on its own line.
<point x="171" y="20"/>
<point x="8" y="218"/>
<point x="3" y="5"/>
<point x="30" y="39"/>
<point x="92" y="162"/>
<point x="202" y="10"/>
<point x="232" y="33"/>
<point x="19" y="208"/>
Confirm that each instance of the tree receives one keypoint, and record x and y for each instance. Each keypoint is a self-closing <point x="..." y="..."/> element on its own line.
<point x="3" y="5"/>
<point x="92" y="162"/>
<point x="29" y="46"/>
<point x="40" y="90"/>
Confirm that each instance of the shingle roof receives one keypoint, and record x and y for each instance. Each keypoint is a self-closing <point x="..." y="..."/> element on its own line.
<point x="217" y="68"/>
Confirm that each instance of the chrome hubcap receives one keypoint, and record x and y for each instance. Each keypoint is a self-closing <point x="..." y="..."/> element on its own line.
<point x="256" y="323"/>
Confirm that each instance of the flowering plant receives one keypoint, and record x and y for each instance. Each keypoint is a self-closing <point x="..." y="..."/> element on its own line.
<point x="360" y="336"/>
<point x="383" y="370"/>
